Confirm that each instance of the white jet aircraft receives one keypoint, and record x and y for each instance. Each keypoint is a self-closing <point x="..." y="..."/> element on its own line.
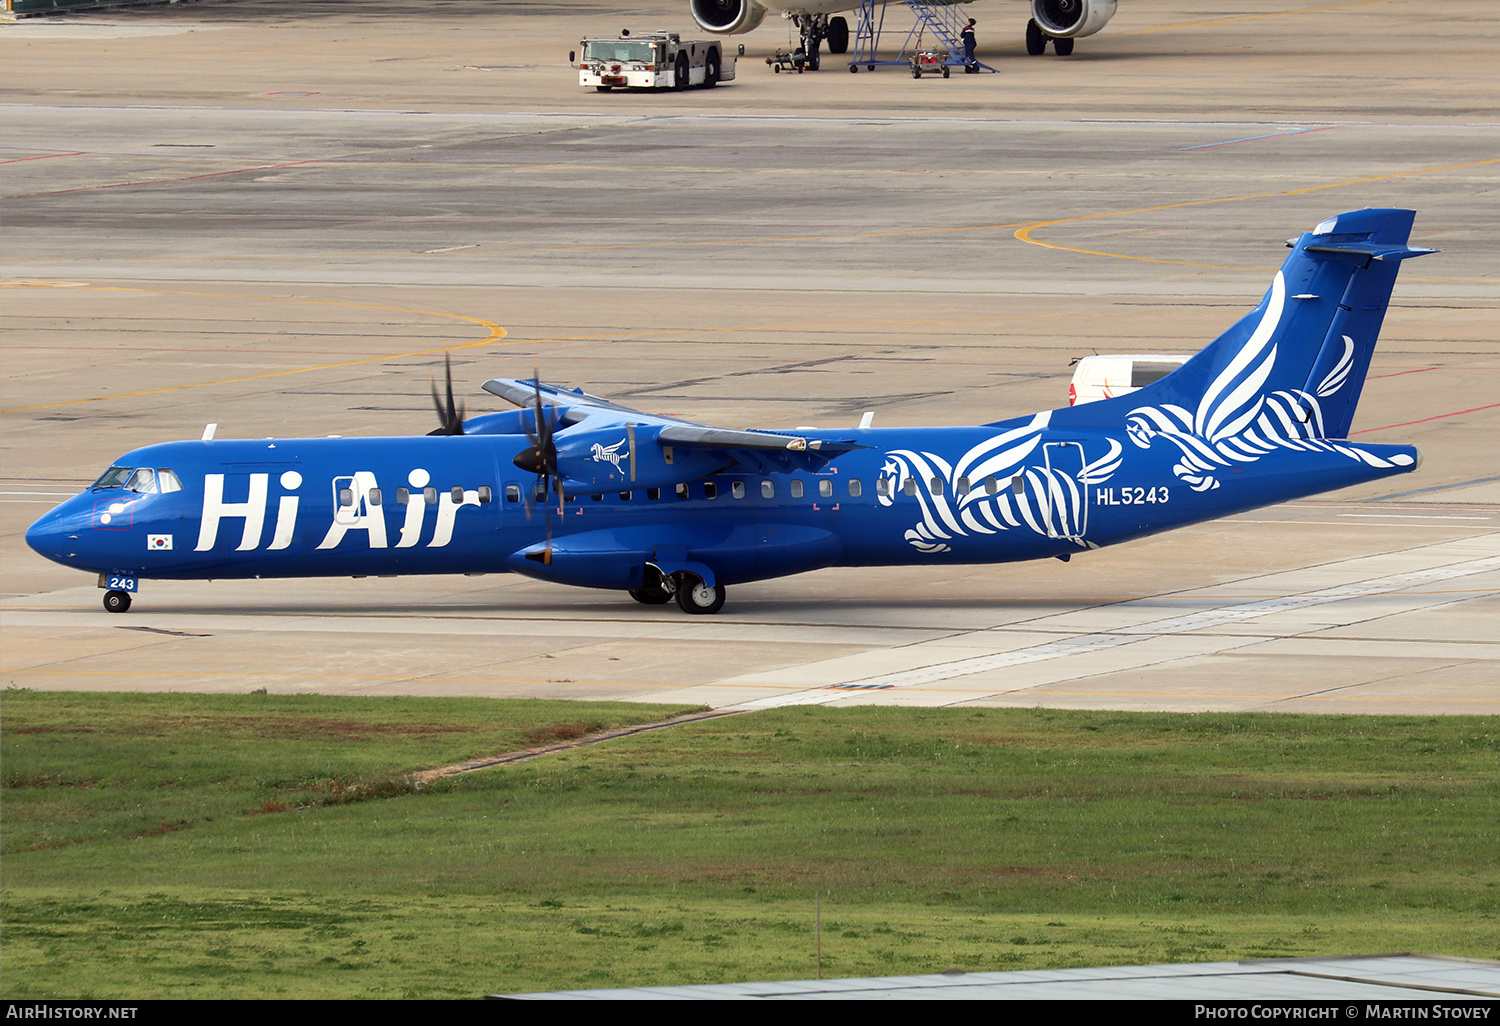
<point x="1056" y="21"/>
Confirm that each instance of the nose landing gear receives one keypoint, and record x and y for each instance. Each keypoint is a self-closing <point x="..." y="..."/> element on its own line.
<point x="116" y="601"/>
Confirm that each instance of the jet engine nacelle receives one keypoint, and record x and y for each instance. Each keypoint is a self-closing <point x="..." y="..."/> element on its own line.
<point x="1060" y="19"/>
<point x="621" y="459"/>
<point x="731" y="17"/>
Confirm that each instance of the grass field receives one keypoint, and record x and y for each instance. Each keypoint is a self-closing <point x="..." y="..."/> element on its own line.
<point x="258" y="845"/>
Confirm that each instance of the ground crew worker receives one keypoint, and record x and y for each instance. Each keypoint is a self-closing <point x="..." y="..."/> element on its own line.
<point x="970" y="64"/>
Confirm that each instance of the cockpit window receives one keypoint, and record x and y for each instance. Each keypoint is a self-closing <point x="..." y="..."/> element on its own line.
<point x="114" y="477"/>
<point x="143" y="480"/>
<point x="139" y="479"/>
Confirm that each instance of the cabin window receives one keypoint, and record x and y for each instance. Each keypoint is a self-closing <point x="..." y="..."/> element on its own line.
<point x="796" y="488"/>
<point x="1017" y="484"/>
<point x="457" y="492"/>
<point x="710" y="490"/>
<point x="962" y="487"/>
<point x="882" y="486"/>
<point x="512" y="493"/>
<point x="168" y="481"/>
<point x="373" y="497"/>
<point x="825" y="488"/>
<point x="737" y="489"/>
<point x="626" y="496"/>
<point x="682" y="491"/>
<point x="597" y="498"/>
<point x="346" y="498"/>
<point x="485" y="495"/>
<point x="402" y="496"/>
<point x="991" y="486"/>
<point x="909" y="486"/>
<point x="854" y="487"/>
<point x="935" y="485"/>
<point x="143" y="480"/>
<point x="653" y="494"/>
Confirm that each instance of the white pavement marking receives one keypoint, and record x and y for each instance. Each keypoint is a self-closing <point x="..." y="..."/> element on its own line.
<point x="1127" y="635"/>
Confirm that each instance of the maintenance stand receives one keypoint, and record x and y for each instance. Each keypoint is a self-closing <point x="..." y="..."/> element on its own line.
<point x="944" y="21"/>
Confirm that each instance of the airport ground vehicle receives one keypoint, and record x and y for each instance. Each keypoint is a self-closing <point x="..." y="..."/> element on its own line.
<point x="574" y="489"/>
<point x="933" y="62"/>
<point x="1106" y="377"/>
<point x="653" y="60"/>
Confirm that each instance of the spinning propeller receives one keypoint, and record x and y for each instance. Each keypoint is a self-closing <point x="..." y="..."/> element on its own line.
<point x="541" y="459"/>
<point x="451" y="416"/>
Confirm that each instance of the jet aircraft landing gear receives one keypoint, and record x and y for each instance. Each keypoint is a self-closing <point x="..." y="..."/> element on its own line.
<point x="1036" y="41"/>
<point x="814" y="29"/>
<point x="116" y="601"/>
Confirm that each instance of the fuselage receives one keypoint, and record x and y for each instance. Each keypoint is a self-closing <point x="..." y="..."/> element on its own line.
<point x="1014" y="490"/>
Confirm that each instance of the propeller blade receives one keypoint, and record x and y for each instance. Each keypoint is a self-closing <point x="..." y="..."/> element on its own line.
<point x="451" y="415"/>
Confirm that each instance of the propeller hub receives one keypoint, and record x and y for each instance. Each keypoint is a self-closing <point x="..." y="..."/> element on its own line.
<point x="530" y="460"/>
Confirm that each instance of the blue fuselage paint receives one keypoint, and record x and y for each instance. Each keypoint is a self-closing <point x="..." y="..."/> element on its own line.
<point x="272" y="508"/>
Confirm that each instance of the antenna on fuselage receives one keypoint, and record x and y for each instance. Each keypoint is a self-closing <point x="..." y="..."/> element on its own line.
<point x="867" y="419"/>
<point x="208" y="432"/>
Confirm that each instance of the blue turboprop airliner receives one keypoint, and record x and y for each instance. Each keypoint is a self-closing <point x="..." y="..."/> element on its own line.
<point x="574" y="489"/>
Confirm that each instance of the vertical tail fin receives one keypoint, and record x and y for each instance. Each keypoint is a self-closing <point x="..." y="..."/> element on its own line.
<point x="1296" y="364"/>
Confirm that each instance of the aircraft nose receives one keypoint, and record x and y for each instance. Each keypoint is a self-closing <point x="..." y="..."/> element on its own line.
<point x="55" y="535"/>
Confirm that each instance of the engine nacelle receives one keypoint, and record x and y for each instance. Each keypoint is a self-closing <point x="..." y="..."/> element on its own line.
<point x="731" y="17"/>
<point x="1060" y="19"/>
<point x="617" y="459"/>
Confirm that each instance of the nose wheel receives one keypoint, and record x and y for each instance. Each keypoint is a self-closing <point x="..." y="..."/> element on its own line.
<point x="116" y="601"/>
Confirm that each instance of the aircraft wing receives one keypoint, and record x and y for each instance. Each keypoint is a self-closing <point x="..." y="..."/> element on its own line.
<point x="762" y="452"/>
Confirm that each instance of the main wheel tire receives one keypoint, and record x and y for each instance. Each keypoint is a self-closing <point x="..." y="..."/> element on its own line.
<point x="697" y="598"/>
<point x="680" y="77"/>
<point x="651" y="596"/>
<point x="1036" y="41"/>
<point x="1062" y="47"/>
<point x="119" y="601"/>
<point x="711" y="70"/>
<point x="838" y="35"/>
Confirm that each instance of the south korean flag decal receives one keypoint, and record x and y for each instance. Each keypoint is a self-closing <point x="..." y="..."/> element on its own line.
<point x="159" y="542"/>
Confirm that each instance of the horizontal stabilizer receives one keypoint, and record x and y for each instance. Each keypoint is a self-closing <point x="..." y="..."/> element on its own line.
<point x="1371" y="250"/>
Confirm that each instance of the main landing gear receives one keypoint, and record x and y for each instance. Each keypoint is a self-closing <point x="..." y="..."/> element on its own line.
<point x="1037" y="40"/>
<point x="692" y="595"/>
